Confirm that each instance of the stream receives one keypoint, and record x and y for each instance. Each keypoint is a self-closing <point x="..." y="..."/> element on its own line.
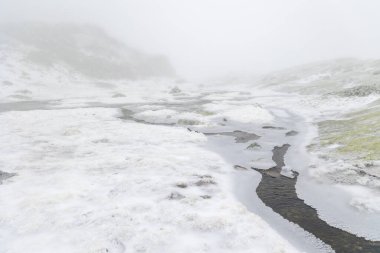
<point x="279" y="193"/>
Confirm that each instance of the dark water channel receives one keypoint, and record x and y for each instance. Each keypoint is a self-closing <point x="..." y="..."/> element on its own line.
<point x="279" y="193"/>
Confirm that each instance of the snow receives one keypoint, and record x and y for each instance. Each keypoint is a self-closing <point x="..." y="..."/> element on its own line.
<point x="288" y="172"/>
<point x="156" y="116"/>
<point x="168" y="116"/>
<point x="363" y="199"/>
<point x="88" y="181"/>
<point x="240" y="113"/>
<point x="313" y="78"/>
<point x="248" y="114"/>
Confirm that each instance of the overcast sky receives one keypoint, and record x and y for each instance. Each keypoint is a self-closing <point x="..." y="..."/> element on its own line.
<point x="207" y="38"/>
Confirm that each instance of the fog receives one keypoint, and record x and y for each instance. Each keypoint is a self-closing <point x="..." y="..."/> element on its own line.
<point x="214" y="38"/>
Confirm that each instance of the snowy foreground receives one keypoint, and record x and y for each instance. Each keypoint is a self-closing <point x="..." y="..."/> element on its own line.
<point x="89" y="179"/>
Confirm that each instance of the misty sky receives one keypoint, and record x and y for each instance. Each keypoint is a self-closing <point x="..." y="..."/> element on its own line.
<point x="208" y="38"/>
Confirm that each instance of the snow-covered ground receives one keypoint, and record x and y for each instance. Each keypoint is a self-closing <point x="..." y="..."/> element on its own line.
<point x="121" y="165"/>
<point x="88" y="181"/>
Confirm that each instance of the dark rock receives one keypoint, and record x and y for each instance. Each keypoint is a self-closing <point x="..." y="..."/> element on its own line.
<point x="291" y="133"/>
<point x="238" y="167"/>
<point x="176" y="196"/>
<point x="273" y="127"/>
<point x="254" y="146"/>
<point x="5" y="176"/>
<point x="181" y="185"/>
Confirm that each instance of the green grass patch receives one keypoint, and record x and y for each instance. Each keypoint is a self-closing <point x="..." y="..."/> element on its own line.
<point x="358" y="135"/>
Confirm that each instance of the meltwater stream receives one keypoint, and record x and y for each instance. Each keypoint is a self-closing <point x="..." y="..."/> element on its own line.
<point x="279" y="193"/>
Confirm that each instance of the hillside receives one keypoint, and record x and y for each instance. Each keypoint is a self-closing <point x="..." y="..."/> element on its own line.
<point x="344" y="77"/>
<point x="83" y="49"/>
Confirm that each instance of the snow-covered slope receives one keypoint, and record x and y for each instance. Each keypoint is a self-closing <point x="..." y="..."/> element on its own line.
<point x="342" y="95"/>
<point x="41" y="61"/>
<point x="82" y="49"/>
<point x="344" y="77"/>
<point x="45" y="62"/>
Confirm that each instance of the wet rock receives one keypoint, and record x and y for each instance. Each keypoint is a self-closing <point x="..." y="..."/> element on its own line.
<point x="291" y="133"/>
<point x="238" y="167"/>
<point x="181" y="185"/>
<point x="175" y="90"/>
<point x="254" y="146"/>
<point x="273" y="127"/>
<point x="204" y="176"/>
<point x="205" y="180"/>
<point x="5" y="176"/>
<point x="175" y="196"/>
<point x="364" y="173"/>
<point x="191" y="130"/>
